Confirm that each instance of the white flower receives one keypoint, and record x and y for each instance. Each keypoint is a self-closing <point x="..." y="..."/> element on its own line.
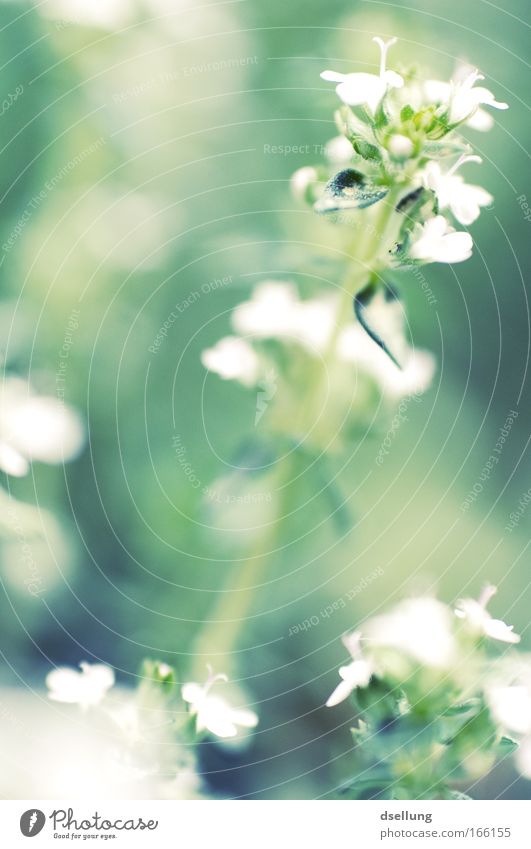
<point x="84" y="688"/>
<point x="452" y="192"/>
<point x="523" y="757"/>
<point x="275" y="311"/>
<point x="233" y="359"/>
<point x="34" y="427"/>
<point x="462" y="99"/>
<point x="356" y="674"/>
<point x="338" y="150"/>
<point x="366" y="89"/>
<point x="479" y="619"/>
<point x="107" y="14"/>
<point x="214" y="713"/>
<point x="420" y="628"/>
<point x="301" y="179"/>
<point x="511" y="707"/>
<point x="413" y="378"/>
<point x="436" y="241"/>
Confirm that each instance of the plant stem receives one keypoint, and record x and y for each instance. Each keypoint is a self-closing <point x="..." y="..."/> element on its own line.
<point x="218" y="640"/>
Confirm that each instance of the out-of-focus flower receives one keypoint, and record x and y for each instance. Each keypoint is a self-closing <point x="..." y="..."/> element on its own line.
<point x="479" y="620"/>
<point x="511" y="707"/>
<point x="413" y="378"/>
<point x="275" y="311"/>
<point x="355" y="674"/>
<point x="106" y="14"/>
<point x="436" y="241"/>
<point x="420" y="628"/>
<point x="462" y="98"/>
<point x="338" y="150"/>
<point x="452" y="192"/>
<point x="85" y="688"/>
<point x="213" y="713"/>
<point x="366" y="89"/>
<point x="233" y="359"/>
<point x="35" y="427"/>
<point x="302" y="179"/>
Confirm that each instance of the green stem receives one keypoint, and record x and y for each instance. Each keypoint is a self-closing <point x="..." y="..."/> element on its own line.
<point x="218" y="640"/>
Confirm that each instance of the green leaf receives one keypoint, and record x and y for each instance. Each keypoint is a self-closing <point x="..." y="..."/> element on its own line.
<point x="506" y="746"/>
<point x="367" y="150"/>
<point x="464" y="707"/>
<point x="407" y="113"/>
<point x="362" y="309"/>
<point x="349" y="189"/>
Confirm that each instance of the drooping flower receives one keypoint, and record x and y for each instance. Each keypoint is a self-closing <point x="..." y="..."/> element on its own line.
<point x="362" y="89"/>
<point x="436" y="241"/>
<point x="355" y="674"/>
<point x="35" y="427"/>
<point x="302" y="179"/>
<point x="233" y="359"/>
<point x="464" y="200"/>
<point x="85" y="688"/>
<point x="479" y="620"/>
<point x="462" y="99"/>
<point x="213" y="713"/>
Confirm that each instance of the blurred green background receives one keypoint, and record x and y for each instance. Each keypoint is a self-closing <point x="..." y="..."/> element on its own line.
<point x="139" y="155"/>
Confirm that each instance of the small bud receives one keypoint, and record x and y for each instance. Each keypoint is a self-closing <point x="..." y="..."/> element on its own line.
<point x="400" y="147"/>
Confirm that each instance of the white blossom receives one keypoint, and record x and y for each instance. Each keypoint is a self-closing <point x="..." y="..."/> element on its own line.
<point x="275" y="311"/>
<point x="420" y="628"/>
<point x="85" y="688"/>
<point x="452" y="192"/>
<point x="213" y="713"/>
<point x="355" y="674"/>
<point x="301" y="179"/>
<point x="413" y="378"/>
<point x="462" y="99"/>
<point x="511" y="707"/>
<point x="35" y="427"/>
<point x="233" y="359"/>
<point x="338" y="150"/>
<point x="436" y="241"/>
<point x="361" y="89"/>
<point x="479" y="620"/>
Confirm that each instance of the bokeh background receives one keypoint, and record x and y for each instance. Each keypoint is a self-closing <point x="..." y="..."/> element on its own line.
<point x="147" y="156"/>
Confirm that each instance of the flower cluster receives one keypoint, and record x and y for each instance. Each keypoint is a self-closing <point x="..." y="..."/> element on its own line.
<point x="400" y="148"/>
<point x="281" y="339"/>
<point x="435" y="707"/>
<point x="154" y="729"/>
